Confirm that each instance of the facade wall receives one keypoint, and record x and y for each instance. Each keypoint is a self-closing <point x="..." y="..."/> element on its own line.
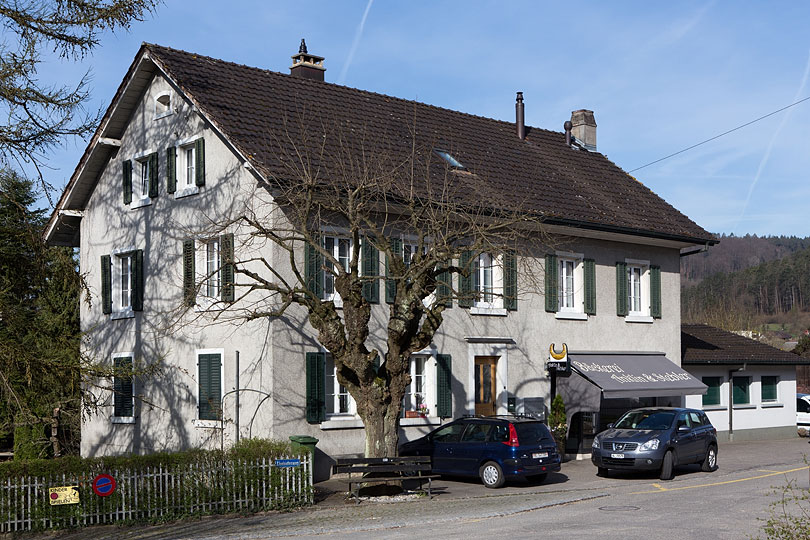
<point x="756" y="415"/>
<point x="272" y="353"/>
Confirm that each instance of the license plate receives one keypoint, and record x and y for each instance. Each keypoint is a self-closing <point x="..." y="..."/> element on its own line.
<point x="617" y="456"/>
<point x="539" y="455"/>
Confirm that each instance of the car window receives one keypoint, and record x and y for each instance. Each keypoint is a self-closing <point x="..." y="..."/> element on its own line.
<point x="705" y="419"/>
<point x="531" y="432"/>
<point x="645" y="419"/>
<point x="450" y="433"/>
<point x="802" y="405"/>
<point x="683" y="420"/>
<point x="694" y="417"/>
<point x="476" y="433"/>
<point x="500" y="433"/>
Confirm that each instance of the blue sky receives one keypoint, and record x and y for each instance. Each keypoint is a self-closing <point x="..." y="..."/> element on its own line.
<point x="659" y="77"/>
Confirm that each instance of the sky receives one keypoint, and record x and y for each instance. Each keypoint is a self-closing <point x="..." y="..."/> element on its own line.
<point x="659" y="76"/>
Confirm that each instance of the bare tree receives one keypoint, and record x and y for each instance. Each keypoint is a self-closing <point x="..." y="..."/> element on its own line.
<point x="346" y="180"/>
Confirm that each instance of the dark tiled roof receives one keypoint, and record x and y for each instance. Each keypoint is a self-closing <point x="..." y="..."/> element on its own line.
<point x="260" y="111"/>
<point x="702" y="344"/>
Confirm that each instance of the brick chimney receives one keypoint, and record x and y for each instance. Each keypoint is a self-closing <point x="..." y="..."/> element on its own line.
<point x="583" y="128"/>
<point x="307" y="66"/>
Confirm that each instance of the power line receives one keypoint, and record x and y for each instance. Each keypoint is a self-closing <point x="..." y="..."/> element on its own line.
<point x="722" y="134"/>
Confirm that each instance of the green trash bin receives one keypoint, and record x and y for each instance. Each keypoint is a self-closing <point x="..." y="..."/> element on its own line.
<point x="303" y="442"/>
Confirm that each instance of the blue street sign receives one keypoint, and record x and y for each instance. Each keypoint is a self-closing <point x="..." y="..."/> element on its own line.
<point x="288" y="463"/>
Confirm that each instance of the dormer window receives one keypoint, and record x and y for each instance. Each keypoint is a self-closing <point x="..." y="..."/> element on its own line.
<point x="163" y="105"/>
<point x="453" y="162"/>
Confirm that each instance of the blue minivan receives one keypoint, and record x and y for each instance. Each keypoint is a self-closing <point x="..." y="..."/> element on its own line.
<point x="493" y="448"/>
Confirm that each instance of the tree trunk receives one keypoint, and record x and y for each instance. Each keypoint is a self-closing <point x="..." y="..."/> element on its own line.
<point x="382" y="430"/>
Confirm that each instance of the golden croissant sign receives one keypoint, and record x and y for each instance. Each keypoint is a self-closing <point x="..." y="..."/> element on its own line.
<point x="556" y="355"/>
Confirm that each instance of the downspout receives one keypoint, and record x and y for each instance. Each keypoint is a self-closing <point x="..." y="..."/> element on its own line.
<point x="731" y="373"/>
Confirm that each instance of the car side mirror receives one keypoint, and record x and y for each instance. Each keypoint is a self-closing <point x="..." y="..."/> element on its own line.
<point x="610" y="426"/>
<point x="683" y="428"/>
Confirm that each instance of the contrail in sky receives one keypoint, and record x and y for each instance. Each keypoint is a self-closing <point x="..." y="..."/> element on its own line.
<point x="355" y="44"/>
<point x="767" y="155"/>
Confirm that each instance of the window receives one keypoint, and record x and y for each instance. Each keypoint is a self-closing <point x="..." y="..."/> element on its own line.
<point x="212" y="262"/>
<point x="185" y="166"/>
<point x="338" y="399"/>
<point x="419" y="399"/>
<point x="123" y="397"/>
<point x="487" y="282"/>
<point x="209" y="378"/>
<point x="740" y="391"/>
<point x="802" y="405"/>
<point x="452" y="161"/>
<point x="712" y="395"/>
<point x="163" y="105"/>
<point x="570" y="285"/>
<point x="143" y="174"/>
<point x="567" y="284"/>
<point x="340" y="249"/>
<point x="122" y="282"/>
<point x="638" y="291"/>
<point x="449" y="434"/>
<point x="770" y="385"/>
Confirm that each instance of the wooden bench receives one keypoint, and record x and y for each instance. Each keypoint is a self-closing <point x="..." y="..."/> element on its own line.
<point x="384" y="470"/>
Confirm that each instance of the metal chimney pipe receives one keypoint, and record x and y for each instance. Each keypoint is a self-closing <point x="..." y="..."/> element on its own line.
<point x="519" y="117"/>
<point x="567" y="127"/>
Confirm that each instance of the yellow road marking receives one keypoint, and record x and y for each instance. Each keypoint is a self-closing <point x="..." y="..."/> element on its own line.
<point x="767" y="470"/>
<point x="662" y="489"/>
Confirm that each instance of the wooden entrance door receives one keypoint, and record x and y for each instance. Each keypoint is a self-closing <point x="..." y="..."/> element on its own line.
<point x="485" y="388"/>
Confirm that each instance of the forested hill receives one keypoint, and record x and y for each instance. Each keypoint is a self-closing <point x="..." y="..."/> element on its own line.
<point x="735" y="253"/>
<point x="768" y="289"/>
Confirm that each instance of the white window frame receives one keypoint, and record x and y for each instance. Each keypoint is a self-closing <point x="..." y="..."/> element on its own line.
<point x="197" y="421"/>
<point x="428" y="393"/>
<point x="331" y="375"/>
<point x="481" y="306"/>
<point x="336" y="237"/>
<point x="576" y="310"/>
<point x="413" y="243"/>
<point x="160" y="111"/>
<point x="122" y="419"/>
<point x="643" y="313"/>
<point x="119" y="311"/>
<point x="204" y="301"/>
<point x="181" y="167"/>
<point x="140" y="192"/>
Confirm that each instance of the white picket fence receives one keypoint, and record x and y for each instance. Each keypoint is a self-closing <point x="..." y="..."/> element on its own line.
<point x="156" y="493"/>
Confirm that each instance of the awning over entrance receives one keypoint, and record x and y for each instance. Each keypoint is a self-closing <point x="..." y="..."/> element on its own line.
<point x="634" y="374"/>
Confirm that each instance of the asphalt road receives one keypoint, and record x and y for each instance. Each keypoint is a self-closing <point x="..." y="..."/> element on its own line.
<point x="729" y="503"/>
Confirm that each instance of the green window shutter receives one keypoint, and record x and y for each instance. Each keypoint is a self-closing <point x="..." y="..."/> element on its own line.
<point x="391" y="284"/>
<point x="589" y="267"/>
<point x="127" y="187"/>
<point x="370" y="256"/>
<point x="622" y="309"/>
<point x="210" y="386"/>
<point x="122" y="387"/>
<point x="106" y="284"/>
<point x="510" y="281"/>
<point x="171" y="169"/>
<point x="313" y="270"/>
<point x="316" y="387"/>
<point x="444" y="377"/>
<point x="550" y="283"/>
<point x="655" y="291"/>
<point x="153" y="175"/>
<point x="465" y="283"/>
<point x="199" y="162"/>
<point x="137" y="280"/>
<point x="189" y="285"/>
<point x="712" y="395"/>
<point x="444" y="289"/>
<point x="226" y="266"/>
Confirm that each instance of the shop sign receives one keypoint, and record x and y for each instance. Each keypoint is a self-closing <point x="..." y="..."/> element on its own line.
<point x="558" y="361"/>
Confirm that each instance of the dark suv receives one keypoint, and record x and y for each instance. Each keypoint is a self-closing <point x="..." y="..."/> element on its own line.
<point x="492" y="448"/>
<point x="656" y="439"/>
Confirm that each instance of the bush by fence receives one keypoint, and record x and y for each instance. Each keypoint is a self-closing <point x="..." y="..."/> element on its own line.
<point x="249" y="477"/>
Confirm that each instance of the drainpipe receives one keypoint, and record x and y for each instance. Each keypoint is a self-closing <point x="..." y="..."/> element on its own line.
<point x="731" y="373"/>
<point x="236" y="414"/>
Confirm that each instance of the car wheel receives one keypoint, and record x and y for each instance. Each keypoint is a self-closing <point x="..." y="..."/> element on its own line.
<point x="602" y="471"/>
<point x="491" y="474"/>
<point x="668" y="466"/>
<point x="710" y="461"/>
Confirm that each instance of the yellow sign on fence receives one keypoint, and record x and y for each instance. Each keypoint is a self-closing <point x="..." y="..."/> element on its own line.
<point x="63" y="495"/>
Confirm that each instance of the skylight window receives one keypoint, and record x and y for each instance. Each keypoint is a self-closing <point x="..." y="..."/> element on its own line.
<point x="453" y="162"/>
